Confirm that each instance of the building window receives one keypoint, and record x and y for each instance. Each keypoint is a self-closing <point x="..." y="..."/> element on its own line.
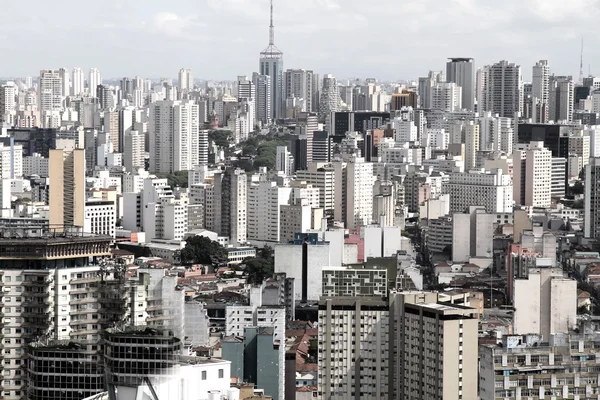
<point x="220" y="374"/>
<point x="203" y="375"/>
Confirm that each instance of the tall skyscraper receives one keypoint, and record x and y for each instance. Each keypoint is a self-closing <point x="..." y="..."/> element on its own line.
<point x="7" y="99"/>
<point x="50" y="91"/>
<point x="540" y="89"/>
<point x="230" y="212"/>
<point x="64" y="77"/>
<point x="504" y="89"/>
<point x="330" y="98"/>
<point x="78" y="81"/>
<point x="185" y="80"/>
<point x="174" y="136"/>
<point x="462" y="72"/>
<point x="299" y="83"/>
<point x="561" y="98"/>
<point x="67" y="196"/>
<point x="94" y="79"/>
<point x="591" y="224"/>
<point x="133" y="150"/>
<point x="271" y="64"/>
<point x="264" y="111"/>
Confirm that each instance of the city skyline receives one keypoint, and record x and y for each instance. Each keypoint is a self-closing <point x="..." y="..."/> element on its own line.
<point x="313" y="35"/>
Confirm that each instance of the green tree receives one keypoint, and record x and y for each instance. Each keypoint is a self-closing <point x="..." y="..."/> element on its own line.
<point x="176" y="179"/>
<point x="221" y="138"/>
<point x="577" y="188"/>
<point x="578" y="204"/>
<point x="202" y="250"/>
<point x="266" y="253"/>
<point x="258" y="270"/>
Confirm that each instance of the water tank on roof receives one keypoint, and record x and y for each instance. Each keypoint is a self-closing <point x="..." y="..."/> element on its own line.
<point x="214" y="395"/>
<point x="233" y="394"/>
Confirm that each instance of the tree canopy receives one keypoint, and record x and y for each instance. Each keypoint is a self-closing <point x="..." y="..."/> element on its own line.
<point x="258" y="269"/>
<point x="176" y="179"/>
<point x="202" y="250"/>
<point x="221" y="138"/>
<point x="577" y="188"/>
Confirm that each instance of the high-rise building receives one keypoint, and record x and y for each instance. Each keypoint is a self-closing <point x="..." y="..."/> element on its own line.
<point x="415" y="345"/>
<point x="185" y="80"/>
<point x="67" y="194"/>
<point x="425" y="85"/>
<point x="111" y="128"/>
<point x="11" y="161"/>
<point x="78" y="81"/>
<point x="134" y="143"/>
<point x="330" y="100"/>
<point x="203" y="147"/>
<point x="230" y="216"/>
<point x="50" y="91"/>
<point x="264" y="110"/>
<point x="446" y="97"/>
<point x="545" y="301"/>
<point x="489" y="189"/>
<point x="541" y="88"/>
<point x="532" y="176"/>
<point x="299" y="83"/>
<point x="271" y="64"/>
<point x="7" y="100"/>
<point x="503" y="89"/>
<point x="174" y="136"/>
<point x="58" y="270"/>
<point x="496" y="133"/>
<point x="472" y="139"/>
<point x="591" y="225"/>
<point x="64" y="77"/>
<point x="561" y="99"/>
<point x="94" y="79"/>
<point x="407" y="98"/>
<point x="354" y="185"/>
<point x="322" y="176"/>
<point x="264" y="203"/>
<point x="462" y="72"/>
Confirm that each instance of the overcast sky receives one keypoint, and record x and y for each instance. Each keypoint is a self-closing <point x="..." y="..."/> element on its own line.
<point x="220" y="39"/>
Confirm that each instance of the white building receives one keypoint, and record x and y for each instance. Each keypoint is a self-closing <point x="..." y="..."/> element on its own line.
<point x="462" y="72"/>
<point x="133" y="151"/>
<point x="8" y="94"/>
<point x="323" y="177"/>
<point x="288" y="260"/>
<point x="532" y="176"/>
<point x="11" y="161"/>
<point x="264" y="204"/>
<point x="284" y="161"/>
<point x="446" y="96"/>
<point x="50" y="91"/>
<point x="357" y="209"/>
<point x="496" y="133"/>
<point x="545" y="302"/>
<point x="174" y="136"/>
<point x="541" y="89"/>
<point x="491" y="189"/>
<point x="77" y="82"/>
<point x="100" y="217"/>
<point x="185" y="80"/>
<point x="301" y="84"/>
<point x="94" y="79"/>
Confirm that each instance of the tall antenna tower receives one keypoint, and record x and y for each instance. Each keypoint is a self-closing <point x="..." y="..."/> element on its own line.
<point x="271" y="28"/>
<point x="581" y="64"/>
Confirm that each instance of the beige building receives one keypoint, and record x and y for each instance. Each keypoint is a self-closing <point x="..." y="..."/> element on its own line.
<point x="435" y="347"/>
<point x="412" y="346"/>
<point x="67" y="180"/>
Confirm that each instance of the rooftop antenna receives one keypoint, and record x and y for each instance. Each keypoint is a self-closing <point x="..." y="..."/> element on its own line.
<point x="272" y="29"/>
<point x="580" y="64"/>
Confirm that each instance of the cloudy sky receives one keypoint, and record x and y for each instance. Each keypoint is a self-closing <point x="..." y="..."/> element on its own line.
<point x="220" y="39"/>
